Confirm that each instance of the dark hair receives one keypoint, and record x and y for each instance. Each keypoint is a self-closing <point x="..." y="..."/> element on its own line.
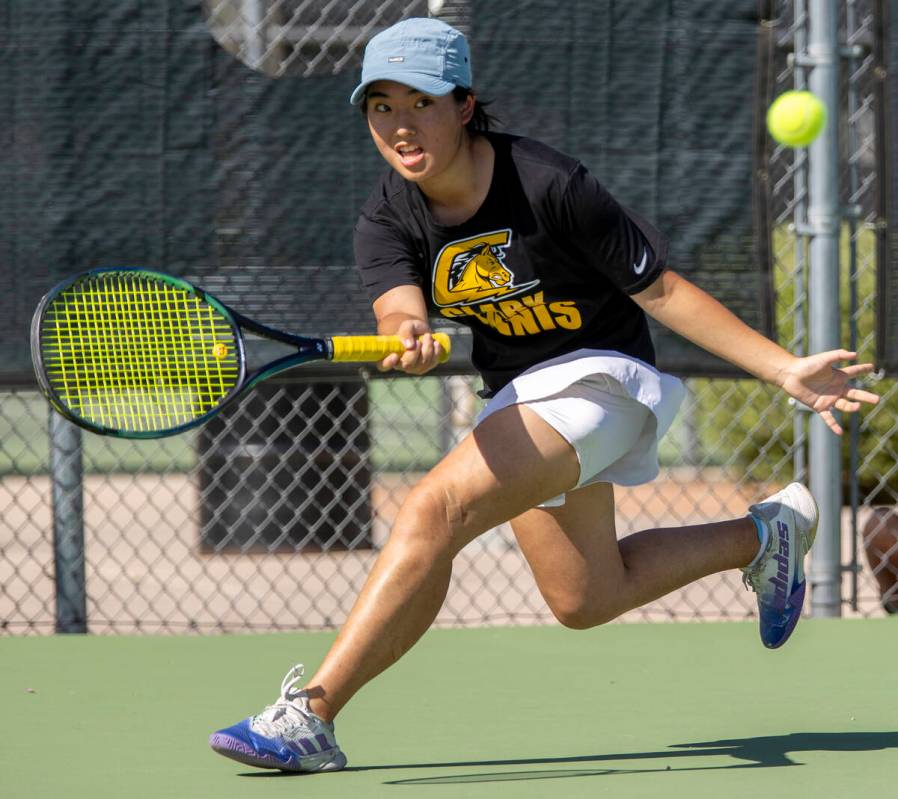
<point x="480" y="122"/>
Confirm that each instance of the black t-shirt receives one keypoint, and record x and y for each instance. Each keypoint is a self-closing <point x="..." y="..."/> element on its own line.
<point x="543" y="268"/>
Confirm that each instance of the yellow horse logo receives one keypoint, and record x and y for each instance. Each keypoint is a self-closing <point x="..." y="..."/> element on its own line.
<point x="477" y="270"/>
<point x="472" y="270"/>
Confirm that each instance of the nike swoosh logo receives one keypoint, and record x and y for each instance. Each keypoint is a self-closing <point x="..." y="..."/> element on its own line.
<point x="641" y="268"/>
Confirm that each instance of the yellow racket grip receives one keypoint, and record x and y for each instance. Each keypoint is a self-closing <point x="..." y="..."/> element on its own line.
<point x="376" y="348"/>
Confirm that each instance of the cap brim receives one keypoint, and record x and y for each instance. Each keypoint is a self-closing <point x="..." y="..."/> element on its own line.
<point x="423" y="83"/>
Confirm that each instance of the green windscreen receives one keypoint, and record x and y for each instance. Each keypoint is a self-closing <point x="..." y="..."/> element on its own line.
<point x="132" y="133"/>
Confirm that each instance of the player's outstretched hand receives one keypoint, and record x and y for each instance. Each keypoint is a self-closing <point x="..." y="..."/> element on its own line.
<point x="822" y="386"/>
<point x="421" y="354"/>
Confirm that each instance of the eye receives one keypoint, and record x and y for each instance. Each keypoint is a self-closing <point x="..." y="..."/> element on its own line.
<point x="423" y="102"/>
<point x="381" y="108"/>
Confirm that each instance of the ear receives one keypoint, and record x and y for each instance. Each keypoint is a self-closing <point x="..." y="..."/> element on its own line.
<point x="486" y="250"/>
<point x="467" y="109"/>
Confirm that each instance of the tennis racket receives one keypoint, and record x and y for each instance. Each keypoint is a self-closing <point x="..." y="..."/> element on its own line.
<point x="134" y="353"/>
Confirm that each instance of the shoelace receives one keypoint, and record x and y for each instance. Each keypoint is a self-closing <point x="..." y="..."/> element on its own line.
<point x="289" y="711"/>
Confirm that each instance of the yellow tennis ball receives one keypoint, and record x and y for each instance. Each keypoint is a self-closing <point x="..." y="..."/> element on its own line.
<point x="796" y="118"/>
<point x="220" y="350"/>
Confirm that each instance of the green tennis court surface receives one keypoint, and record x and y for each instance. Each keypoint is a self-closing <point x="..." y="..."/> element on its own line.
<point x="691" y="710"/>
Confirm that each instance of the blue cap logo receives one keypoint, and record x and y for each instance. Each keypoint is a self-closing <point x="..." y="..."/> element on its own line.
<point x="423" y="53"/>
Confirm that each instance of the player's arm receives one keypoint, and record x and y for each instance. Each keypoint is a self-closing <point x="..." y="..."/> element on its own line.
<point x="402" y="312"/>
<point x="697" y="316"/>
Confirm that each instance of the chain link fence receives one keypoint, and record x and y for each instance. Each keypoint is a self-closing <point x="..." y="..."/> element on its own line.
<point x="270" y="517"/>
<point x="303" y="37"/>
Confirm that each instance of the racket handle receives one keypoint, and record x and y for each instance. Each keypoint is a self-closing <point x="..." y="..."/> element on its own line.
<point x="376" y="348"/>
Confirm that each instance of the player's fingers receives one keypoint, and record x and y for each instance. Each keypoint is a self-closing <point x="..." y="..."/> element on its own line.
<point x="390" y="362"/>
<point x="426" y="348"/>
<point x="831" y="422"/>
<point x="831" y="359"/>
<point x="408" y="334"/>
<point x="859" y="395"/>
<point x="834" y="356"/>
<point x="857" y="369"/>
<point x="410" y="358"/>
<point x="426" y="362"/>
<point x="846" y="405"/>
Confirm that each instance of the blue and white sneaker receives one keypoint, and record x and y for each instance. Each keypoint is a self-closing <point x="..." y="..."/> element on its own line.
<point x="286" y="735"/>
<point x="776" y="575"/>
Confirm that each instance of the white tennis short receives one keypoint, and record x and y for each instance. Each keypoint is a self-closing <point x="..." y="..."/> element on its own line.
<point x="611" y="408"/>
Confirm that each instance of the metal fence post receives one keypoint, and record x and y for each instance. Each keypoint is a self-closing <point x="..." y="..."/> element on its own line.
<point x="824" y="226"/>
<point x="800" y="183"/>
<point x="68" y="525"/>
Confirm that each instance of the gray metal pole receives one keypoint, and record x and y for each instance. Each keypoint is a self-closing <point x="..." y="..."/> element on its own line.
<point x="254" y="33"/>
<point x="68" y="525"/>
<point x="800" y="183"/>
<point x="851" y="28"/>
<point x="824" y="223"/>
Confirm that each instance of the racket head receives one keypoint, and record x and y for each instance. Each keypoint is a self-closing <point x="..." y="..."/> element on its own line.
<point x="135" y="353"/>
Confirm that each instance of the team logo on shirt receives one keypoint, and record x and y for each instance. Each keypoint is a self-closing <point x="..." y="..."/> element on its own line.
<point x="472" y="270"/>
<point x="472" y="281"/>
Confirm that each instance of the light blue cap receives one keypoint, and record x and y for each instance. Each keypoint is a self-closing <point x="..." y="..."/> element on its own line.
<point x="423" y="53"/>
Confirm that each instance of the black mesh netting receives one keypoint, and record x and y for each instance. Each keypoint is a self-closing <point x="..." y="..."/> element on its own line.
<point x="129" y="135"/>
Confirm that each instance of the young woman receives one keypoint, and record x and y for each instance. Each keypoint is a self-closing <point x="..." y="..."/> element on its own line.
<point x="555" y="279"/>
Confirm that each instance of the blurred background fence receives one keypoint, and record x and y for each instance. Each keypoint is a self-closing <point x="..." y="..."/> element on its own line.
<point x="214" y="140"/>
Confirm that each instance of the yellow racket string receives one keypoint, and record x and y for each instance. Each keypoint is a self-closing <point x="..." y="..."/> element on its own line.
<point x="135" y="353"/>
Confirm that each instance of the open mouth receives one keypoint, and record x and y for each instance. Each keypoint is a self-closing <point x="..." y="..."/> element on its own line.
<point x="410" y="155"/>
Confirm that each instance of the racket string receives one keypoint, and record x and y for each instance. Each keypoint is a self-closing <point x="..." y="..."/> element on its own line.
<point x="132" y="352"/>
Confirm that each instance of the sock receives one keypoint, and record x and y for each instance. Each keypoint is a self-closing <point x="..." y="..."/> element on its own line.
<point x="763" y="536"/>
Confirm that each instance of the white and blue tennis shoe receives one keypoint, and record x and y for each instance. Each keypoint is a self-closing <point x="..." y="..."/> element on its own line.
<point x="286" y="735"/>
<point x="776" y="575"/>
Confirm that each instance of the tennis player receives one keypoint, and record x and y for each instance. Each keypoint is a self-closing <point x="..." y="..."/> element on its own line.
<point x="555" y="279"/>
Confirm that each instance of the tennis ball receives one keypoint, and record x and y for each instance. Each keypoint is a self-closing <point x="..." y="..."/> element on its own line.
<point x="796" y="118"/>
<point x="220" y="350"/>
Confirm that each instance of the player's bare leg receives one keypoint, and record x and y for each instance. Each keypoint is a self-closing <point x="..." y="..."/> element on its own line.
<point x="512" y="461"/>
<point x="587" y="576"/>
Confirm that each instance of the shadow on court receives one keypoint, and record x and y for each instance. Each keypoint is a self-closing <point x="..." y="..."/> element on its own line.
<point x="765" y="752"/>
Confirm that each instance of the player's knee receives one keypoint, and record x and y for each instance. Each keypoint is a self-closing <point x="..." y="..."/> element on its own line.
<point x="429" y="519"/>
<point x="582" y="613"/>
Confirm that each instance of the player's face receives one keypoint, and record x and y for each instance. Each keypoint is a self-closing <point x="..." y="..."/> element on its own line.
<point x="419" y="135"/>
